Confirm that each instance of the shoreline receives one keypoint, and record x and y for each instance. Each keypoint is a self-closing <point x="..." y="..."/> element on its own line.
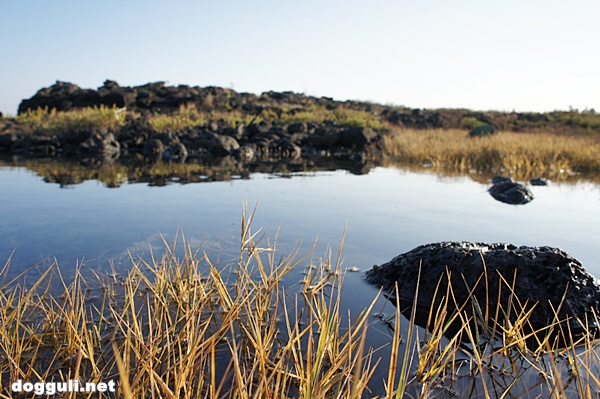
<point x="155" y="123"/>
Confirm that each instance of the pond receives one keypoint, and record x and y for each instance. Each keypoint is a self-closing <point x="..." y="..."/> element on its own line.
<point x="384" y="212"/>
<point x="387" y="211"/>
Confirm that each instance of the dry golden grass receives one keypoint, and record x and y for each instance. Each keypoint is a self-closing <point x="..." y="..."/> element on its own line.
<point x="188" y="115"/>
<point x="61" y="122"/>
<point x="179" y="326"/>
<point x="183" y="328"/>
<point x="510" y="153"/>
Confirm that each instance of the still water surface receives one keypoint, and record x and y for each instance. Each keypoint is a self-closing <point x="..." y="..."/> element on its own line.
<point x="385" y="212"/>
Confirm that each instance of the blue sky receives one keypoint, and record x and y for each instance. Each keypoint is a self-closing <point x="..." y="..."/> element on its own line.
<point x="502" y="55"/>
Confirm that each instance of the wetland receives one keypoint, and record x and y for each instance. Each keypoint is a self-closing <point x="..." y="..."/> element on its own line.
<point x="227" y="273"/>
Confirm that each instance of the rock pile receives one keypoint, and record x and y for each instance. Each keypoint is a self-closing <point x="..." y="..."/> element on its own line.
<point x="139" y="139"/>
<point x="260" y="138"/>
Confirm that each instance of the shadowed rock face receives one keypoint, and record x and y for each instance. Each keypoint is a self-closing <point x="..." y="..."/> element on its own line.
<point x="541" y="276"/>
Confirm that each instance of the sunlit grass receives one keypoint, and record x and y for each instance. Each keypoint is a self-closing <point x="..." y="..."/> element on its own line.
<point x="505" y="152"/>
<point x="187" y="116"/>
<point x="342" y="116"/>
<point x="62" y="122"/>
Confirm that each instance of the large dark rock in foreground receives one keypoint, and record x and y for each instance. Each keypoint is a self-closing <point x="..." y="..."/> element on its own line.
<point x="542" y="277"/>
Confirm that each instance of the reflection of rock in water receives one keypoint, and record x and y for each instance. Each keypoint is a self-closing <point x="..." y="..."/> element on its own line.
<point x="505" y="190"/>
<point x="544" y="277"/>
<point x="538" y="182"/>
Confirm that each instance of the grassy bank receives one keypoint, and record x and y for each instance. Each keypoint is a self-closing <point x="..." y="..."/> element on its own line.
<point x="53" y="122"/>
<point x="550" y="154"/>
<point x="522" y="155"/>
<point x="181" y="326"/>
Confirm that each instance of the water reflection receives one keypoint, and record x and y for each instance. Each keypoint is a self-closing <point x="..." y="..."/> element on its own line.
<point x="65" y="172"/>
<point x="388" y="210"/>
<point x="114" y="174"/>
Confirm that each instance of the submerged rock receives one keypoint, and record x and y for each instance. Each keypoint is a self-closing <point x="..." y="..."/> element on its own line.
<point x="493" y="277"/>
<point x="505" y="190"/>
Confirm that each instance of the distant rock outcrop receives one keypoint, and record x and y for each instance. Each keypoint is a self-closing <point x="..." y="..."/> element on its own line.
<point x="158" y="97"/>
<point x="261" y="138"/>
<point x="269" y="125"/>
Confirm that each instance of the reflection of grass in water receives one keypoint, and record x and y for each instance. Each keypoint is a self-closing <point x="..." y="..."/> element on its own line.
<point x="67" y="173"/>
<point x="505" y="152"/>
<point x="183" y="327"/>
<point x="116" y="174"/>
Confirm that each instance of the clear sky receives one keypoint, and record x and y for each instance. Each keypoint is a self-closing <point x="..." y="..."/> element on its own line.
<point x="484" y="55"/>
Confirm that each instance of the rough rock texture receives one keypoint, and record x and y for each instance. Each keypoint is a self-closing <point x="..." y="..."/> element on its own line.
<point x="260" y="138"/>
<point x="507" y="191"/>
<point x="102" y="145"/>
<point x="541" y="276"/>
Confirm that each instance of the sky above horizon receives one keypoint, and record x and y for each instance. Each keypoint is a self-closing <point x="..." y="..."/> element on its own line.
<point x="511" y="55"/>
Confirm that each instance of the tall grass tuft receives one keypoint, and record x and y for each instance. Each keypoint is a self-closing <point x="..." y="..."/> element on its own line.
<point x="180" y="326"/>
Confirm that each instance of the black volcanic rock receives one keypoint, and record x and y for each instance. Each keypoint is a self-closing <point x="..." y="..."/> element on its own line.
<point x="100" y="145"/>
<point x="153" y="97"/>
<point x="505" y="190"/>
<point x="544" y="278"/>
